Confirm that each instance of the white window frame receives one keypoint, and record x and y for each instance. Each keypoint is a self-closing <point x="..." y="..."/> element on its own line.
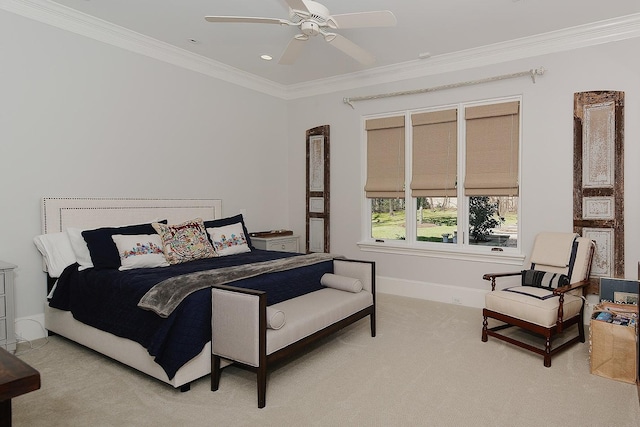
<point x="411" y="246"/>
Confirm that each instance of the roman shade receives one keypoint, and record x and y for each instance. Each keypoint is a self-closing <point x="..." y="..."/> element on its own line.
<point x="385" y="157"/>
<point x="434" y="157"/>
<point x="492" y="141"/>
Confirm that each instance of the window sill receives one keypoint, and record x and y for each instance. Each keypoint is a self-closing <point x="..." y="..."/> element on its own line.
<point x="483" y="254"/>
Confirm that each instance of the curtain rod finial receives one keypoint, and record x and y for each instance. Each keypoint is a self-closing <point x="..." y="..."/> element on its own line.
<point x="348" y="102"/>
<point x="536" y="72"/>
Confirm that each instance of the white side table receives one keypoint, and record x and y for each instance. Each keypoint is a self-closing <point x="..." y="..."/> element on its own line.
<point x="7" y="313"/>
<point x="279" y="243"/>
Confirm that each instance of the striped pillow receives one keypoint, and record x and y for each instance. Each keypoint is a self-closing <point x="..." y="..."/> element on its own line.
<point x="544" y="279"/>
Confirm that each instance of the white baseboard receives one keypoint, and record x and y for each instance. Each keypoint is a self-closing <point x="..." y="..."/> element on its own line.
<point x="431" y="291"/>
<point x="30" y="327"/>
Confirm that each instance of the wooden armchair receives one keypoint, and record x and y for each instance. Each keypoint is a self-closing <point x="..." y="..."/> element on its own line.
<point x="549" y="297"/>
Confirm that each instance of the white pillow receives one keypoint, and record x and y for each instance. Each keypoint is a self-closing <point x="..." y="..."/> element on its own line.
<point x="139" y="251"/>
<point x="80" y="248"/>
<point x="229" y="240"/>
<point x="275" y="318"/>
<point x="342" y="283"/>
<point x="57" y="252"/>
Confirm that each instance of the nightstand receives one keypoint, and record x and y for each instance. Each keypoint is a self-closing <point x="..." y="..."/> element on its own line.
<point x="7" y="315"/>
<point x="279" y="243"/>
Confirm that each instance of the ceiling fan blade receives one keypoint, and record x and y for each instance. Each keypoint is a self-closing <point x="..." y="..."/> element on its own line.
<point x="293" y="50"/>
<point x="350" y="48"/>
<point x="379" y="18"/>
<point x="246" y="19"/>
<point x="297" y="5"/>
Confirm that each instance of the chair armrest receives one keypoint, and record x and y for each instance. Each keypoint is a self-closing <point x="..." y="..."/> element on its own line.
<point x="571" y="287"/>
<point x="490" y="276"/>
<point x="494" y="276"/>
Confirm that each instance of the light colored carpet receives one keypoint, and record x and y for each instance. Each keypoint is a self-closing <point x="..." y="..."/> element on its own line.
<point x="427" y="366"/>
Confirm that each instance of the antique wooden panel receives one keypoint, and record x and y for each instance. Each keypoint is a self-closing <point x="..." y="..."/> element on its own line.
<point x="316" y="235"/>
<point x="604" y="238"/>
<point x="317" y="198"/>
<point x="598" y="198"/>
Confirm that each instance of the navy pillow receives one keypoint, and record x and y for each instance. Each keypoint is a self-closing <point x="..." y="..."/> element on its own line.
<point x="103" y="250"/>
<point x="544" y="279"/>
<point x="229" y="221"/>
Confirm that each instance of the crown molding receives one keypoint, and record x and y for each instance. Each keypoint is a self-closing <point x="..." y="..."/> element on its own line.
<point x="606" y="31"/>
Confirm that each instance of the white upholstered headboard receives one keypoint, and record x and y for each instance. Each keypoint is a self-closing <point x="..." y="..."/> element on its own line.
<point x="58" y="213"/>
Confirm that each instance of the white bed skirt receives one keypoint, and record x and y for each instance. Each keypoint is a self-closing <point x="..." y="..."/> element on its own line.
<point x="123" y="350"/>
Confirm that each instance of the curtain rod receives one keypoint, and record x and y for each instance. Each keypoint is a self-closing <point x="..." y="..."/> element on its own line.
<point x="531" y="73"/>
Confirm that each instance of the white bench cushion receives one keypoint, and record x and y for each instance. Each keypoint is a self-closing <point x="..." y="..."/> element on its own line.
<point x="312" y="312"/>
<point x="535" y="305"/>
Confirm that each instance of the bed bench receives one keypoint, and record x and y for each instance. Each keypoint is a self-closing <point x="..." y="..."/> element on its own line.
<point x="241" y="331"/>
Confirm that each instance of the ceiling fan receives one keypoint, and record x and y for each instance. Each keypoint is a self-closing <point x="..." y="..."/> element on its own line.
<point x="313" y="18"/>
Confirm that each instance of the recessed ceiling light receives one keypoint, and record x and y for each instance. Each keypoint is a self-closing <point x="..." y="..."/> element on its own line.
<point x="266" y="57"/>
<point x="194" y="41"/>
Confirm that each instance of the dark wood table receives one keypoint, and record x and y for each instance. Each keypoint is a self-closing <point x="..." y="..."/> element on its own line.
<point x="16" y="378"/>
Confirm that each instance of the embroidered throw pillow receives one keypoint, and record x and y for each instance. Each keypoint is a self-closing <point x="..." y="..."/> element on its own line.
<point x="215" y="223"/>
<point x="185" y="242"/>
<point x="544" y="279"/>
<point x="104" y="254"/>
<point x="229" y="240"/>
<point x="139" y="251"/>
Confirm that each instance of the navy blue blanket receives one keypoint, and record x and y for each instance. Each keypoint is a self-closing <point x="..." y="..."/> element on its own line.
<point x="107" y="300"/>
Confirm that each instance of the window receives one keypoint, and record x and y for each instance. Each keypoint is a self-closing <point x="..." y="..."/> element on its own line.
<point x="446" y="178"/>
<point x="434" y="173"/>
<point x="385" y="176"/>
<point x="491" y="175"/>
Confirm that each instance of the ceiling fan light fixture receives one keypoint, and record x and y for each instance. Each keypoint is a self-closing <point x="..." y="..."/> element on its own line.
<point x="310" y="28"/>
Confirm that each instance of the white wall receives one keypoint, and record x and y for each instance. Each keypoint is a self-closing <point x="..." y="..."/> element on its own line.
<point x="82" y="118"/>
<point x="547" y="166"/>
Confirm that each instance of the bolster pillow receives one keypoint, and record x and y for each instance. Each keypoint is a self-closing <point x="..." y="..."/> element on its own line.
<point x="342" y="283"/>
<point x="275" y="318"/>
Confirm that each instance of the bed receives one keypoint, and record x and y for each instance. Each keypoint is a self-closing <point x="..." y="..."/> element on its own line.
<point x="100" y="307"/>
